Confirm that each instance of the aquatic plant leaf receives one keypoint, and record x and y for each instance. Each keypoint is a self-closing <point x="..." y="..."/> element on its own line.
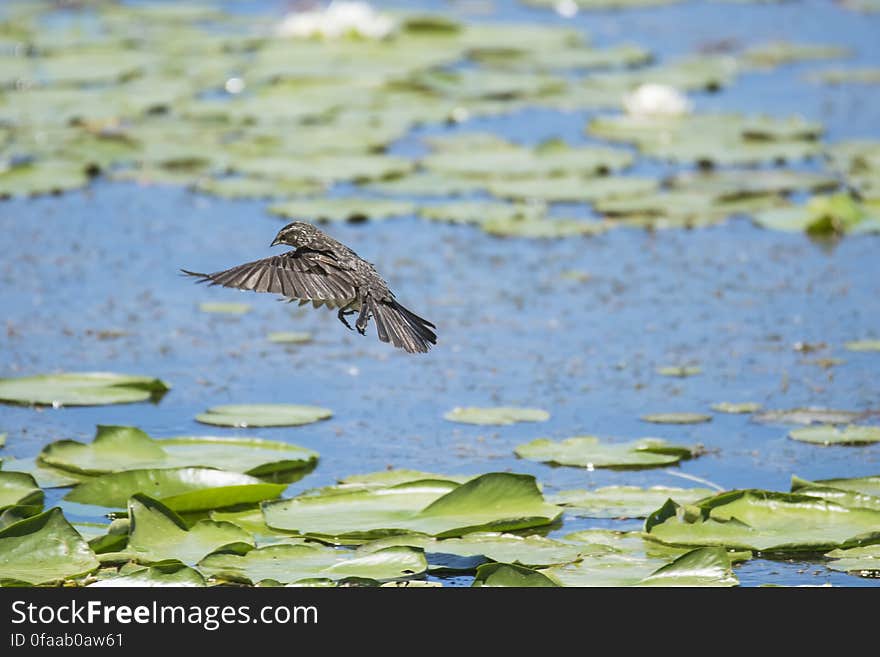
<point x="624" y="501"/>
<point x="509" y="574"/>
<point x="20" y="490"/>
<point x="828" y="434"/>
<point x="342" y="209"/>
<point x="677" y="418"/>
<point x="497" y="415"/>
<point x="173" y="574"/>
<point x="590" y="452"/>
<point x="263" y="415"/>
<point x="81" y="389"/>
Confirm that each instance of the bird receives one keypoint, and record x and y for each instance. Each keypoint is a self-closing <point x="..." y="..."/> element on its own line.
<point x="326" y="272"/>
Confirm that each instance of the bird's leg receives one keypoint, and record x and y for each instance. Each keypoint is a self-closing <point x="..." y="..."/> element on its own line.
<point x="345" y="310"/>
<point x="363" y="318"/>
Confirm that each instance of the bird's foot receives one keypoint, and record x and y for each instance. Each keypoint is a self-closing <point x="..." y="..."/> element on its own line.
<point x="341" y="315"/>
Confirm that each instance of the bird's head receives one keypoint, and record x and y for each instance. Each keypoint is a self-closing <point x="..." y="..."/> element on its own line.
<point x="297" y="234"/>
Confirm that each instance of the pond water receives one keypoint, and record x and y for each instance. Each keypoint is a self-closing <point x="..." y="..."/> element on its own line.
<point x="512" y="328"/>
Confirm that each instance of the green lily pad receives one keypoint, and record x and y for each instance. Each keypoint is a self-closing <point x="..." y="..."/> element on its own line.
<point x="736" y="184"/>
<point x="858" y="492"/>
<point x="478" y="212"/>
<point x="325" y="168"/>
<point x="115" y="449"/>
<point x="81" y="389"/>
<point x="173" y="574"/>
<point x="425" y="184"/>
<point x="810" y="415"/>
<point x="42" y="549"/>
<point x="589" y="452"/>
<point x="20" y="490"/>
<point x="624" y="501"/>
<point x="509" y="574"/>
<point x="158" y="534"/>
<point x="782" y="52"/>
<point x="571" y="189"/>
<point x="3" y="439"/>
<point x="578" y="59"/>
<point x="243" y="187"/>
<point x="531" y="551"/>
<point x="263" y="415"/>
<point x="290" y="337"/>
<point x="46" y="477"/>
<point x="548" y="228"/>
<point x="342" y="209"/>
<point x="497" y="415"/>
<point x="680" y="371"/>
<point x="837" y="214"/>
<point x="225" y="308"/>
<point x="289" y="563"/>
<point x="180" y="489"/>
<point x="766" y="522"/>
<point x="835" y="76"/>
<point x="385" y="478"/>
<point x="42" y="177"/>
<point x="828" y="434"/>
<point x="492" y="502"/>
<point x="677" y="418"/>
<point x="700" y="567"/>
<point x="736" y="407"/>
<point x="863" y="345"/>
<point x="864" y="561"/>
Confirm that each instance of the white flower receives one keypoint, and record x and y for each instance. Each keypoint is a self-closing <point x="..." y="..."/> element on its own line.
<point x="339" y="19"/>
<point x="566" y="8"/>
<point x="656" y="100"/>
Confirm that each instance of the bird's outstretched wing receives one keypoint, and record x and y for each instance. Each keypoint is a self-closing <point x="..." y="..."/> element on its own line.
<point x="301" y="274"/>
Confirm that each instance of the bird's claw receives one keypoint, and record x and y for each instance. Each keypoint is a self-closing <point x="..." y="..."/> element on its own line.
<point x="341" y="315"/>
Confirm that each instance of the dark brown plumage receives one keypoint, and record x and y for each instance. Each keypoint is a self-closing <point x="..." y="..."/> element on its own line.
<point x="323" y="271"/>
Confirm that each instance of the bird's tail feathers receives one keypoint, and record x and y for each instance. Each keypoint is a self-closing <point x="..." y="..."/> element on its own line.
<point x="402" y="327"/>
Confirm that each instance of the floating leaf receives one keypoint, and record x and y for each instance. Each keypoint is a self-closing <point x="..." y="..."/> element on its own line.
<point x="426" y="184"/>
<point x="180" y="489"/>
<point x="837" y="214"/>
<point x="680" y="371"/>
<point x="263" y="415"/>
<point x="46" y="477"/>
<point x="494" y="502"/>
<point x="289" y="563"/>
<point x="385" y="478"/>
<point x="734" y="184"/>
<point x="624" y="501"/>
<point x="18" y="489"/>
<point x="81" y="389"/>
<point x="43" y="549"/>
<point x="247" y="188"/>
<point x="158" y="534"/>
<point x="530" y="551"/>
<point x="864" y="561"/>
<point x="863" y="345"/>
<point x="342" y="209"/>
<point x="478" y="212"/>
<point x="543" y="228"/>
<point x="858" y="492"/>
<point x="174" y="574"/>
<point x="807" y="416"/>
<point x="49" y="177"/>
<point x="700" y="567"/>
<point x="677" y="418"/>
<point x="498" y="415"/>
<point x="736" y="407"/>
<point x="290" y="337"/>
<point x="571" y="189"/>
<point x="765" y="521"/>
<point x="325" y="168"/>
<point x="225" y="308"/>
<point x="782" y="52"/>
<point x="116" y="449"/>
<point x="866" y="75"/>
<point x="830" y="435"/>
<point x="590" y="452"/>
<point x="509" y="574"/>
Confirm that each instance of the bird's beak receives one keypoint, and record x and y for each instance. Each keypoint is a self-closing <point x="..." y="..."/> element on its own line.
<point x="275" y="241"/>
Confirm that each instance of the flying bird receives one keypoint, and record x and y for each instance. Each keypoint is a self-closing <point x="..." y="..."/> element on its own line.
<point x="323" y="271"/>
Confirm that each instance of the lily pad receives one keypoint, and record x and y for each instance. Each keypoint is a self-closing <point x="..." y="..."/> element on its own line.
<point x="677" y="418"/>
<point x="158" y="534"/>
<point x="548" y="228"/>
<point x="828" y="434"/>
<point x="498" y="415"/>
<point x="735" y="184"/>
<point x="810" y="415"/>
<point x="263" y="415"/>
<point x="43" y="549"/>
<point x="835" y="76"/>
<point x="290" y="337"/>
<point x="680" y="371"/>
<point x="247" y="188"/>
<point x="42" y="177"/>
<point x="180" y="489"/>
<point x="290" y="563"/>
<point x="736" y="407"/>
<point x="325" y="168"/>
<point x="18" y="489"/>
<point x="115" y="449"/>
<point x="624" y="501"/>
<point x="81" y="389"/>
<point x="225" y="308"/>
<point x="782" y="52"/>
<point x="343" y="209"/>
<point x="478" y="212"/>
<point x="571" y="189"/>
<point x="425" y="184"/>
<point x="532" y="551"/>
<point x="863" y="345"/>
<point x="700" y="567"/>
<point x="174" y="574"/>
<point x="509" y="574"/>
<point x="766" y="522"/>
<point x="492" y="502"/>
<point x="864" y="561"/>
<point x="385" y="478"/>
<point x="858" y="492"/>
<point x="589" y="452"/>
